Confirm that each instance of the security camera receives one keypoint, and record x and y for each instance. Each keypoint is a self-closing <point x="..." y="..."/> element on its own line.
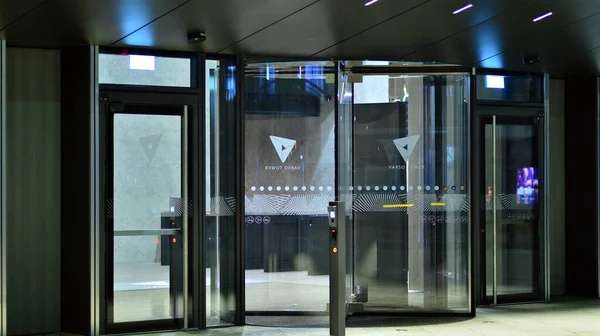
<point x="195" y="37"/>
<point x="530" y="59"/>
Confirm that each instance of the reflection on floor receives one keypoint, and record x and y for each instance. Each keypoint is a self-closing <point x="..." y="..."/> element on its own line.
<point x="577" y="317"/>
<point x="142" y="293"/>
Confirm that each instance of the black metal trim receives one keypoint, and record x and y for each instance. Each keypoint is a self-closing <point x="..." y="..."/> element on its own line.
<point x="421" y="70"/>
<point x="147" y="104"/>
<point x="504" y="103"/>
<point x="474" y="194"/>
<point x="336" y="136"/>
<point x="285" y="313"/>
<point x="240" y="177"/>
<point x="199" y="202"/>
<point x="503" y="72"/>
<point x="148" y="88"/>
<point x="513" y="118"/>
<point x="510" y="111"/>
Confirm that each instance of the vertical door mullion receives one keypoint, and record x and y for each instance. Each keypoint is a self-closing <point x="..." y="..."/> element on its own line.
<point x="184" y="215"/>
<point x="494" y="215"/>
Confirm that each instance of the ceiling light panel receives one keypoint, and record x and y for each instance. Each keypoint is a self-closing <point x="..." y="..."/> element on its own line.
<point x="540" y="18"/>
<point x="462" y="9"/>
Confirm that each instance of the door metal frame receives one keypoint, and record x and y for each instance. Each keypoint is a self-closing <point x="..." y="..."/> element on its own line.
<point x="598" y="180"/>
<point x="443" y="70"/>
<point x="511" y="112"/>
<point x="3" y="292"/>
<point x="137" y="98"/>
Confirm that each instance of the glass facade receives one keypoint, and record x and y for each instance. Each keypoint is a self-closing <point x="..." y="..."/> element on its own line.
<point x="220" y="193"/>
<point x="145" y="70"/>
<point x="258" y="155"/>
<point x="515" y="88"/>
<point x="399" y="160"/>
<point x="409" y="191"/>
<point x="289" y="179"/>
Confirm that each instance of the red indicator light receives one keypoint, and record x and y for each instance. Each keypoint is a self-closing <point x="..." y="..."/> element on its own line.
<point x="174" y="240"/>
<point x="333" y="230"/>
<point x="155" y="241"/>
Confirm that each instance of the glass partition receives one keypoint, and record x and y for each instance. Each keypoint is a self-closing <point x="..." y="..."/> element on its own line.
<point x="220" y="192"/>
<point x="145" y="70"/>
<point x="396" y="148"/>
<point x="409" y="188"/>
<point x="290" y="175"/>
<point x="516" y="89"/>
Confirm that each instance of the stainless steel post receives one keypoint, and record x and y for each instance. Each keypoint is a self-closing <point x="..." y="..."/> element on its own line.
<point x="337" y="269"/>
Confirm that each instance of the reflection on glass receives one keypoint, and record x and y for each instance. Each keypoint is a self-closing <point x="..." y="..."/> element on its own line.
<point x="220" y="191"/>
<point x="520" y="88"/>
<point x="144" y="70"/>
<point x="410" y="182"/>
<point x="517" y="211"/>
<point x="289" y="172"/>
<point x="147" y="190"/>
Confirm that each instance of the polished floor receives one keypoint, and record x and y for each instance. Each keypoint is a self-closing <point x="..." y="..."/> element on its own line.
<point x="569" y="317"/>
<point x="141" y="292"/>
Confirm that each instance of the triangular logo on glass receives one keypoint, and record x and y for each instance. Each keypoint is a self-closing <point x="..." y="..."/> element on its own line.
<point x="406" y="145"/>
<point x="150" y="145"/>
<point x="283" y="147"/>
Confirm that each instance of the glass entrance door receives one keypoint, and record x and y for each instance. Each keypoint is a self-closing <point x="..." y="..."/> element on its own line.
<point x="146" y="189"/>
<point x="511" y="214"/>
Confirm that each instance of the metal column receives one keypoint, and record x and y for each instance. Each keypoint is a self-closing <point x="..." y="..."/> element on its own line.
<point x="337" y="269"/>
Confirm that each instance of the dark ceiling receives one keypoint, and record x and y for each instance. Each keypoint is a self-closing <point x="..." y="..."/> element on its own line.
<point x="491" y="34"/>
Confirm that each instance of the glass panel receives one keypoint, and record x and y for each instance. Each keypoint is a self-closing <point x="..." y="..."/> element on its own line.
<point x="410" y="202"/>
<point x="220" y="192"/>
<point x="517" y="191"/>
<point x="144" y="70"/>
<point x="147" y="183"/>
<point x="510" y="88"/>
<point x="290" y="176"/>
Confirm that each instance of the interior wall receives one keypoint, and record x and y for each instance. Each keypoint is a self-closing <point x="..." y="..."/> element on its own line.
<point x="33" y="191"/>
<point x="556" y="201"/>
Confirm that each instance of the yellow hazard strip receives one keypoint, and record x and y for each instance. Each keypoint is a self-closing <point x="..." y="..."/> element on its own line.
<point x="438" y="204"/>
<point x="392" y="206"/>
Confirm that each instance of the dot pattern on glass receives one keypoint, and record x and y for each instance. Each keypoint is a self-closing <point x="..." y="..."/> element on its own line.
<point x="385" y="188"/>
<point x="270" y="188"/>
<point x="376" y="188"/>
<point x="295" y="188"/>
<point x="253" y="188"/>
<point x="303" y="188"/>
<point x="436" y="188"/>
<point x="261" y="188"/>
<point x="393" y="188"/>
<point x="368" y="188"/>
<point x="312" y="188"/>
<point x="287" y="188"/>
<point x="402" y="188"/>
<point x="278" y="188"/>
<point x="320" y="188"/>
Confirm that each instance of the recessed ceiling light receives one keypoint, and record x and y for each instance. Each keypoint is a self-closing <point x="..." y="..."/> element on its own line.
<point x="462" y="9"/>
<point x="539" y="18"/>
<point x="370" y="2"/>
